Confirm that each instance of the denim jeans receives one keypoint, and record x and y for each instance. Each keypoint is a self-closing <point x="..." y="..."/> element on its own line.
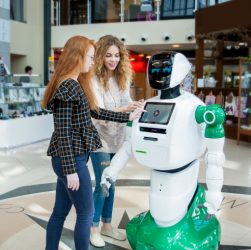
<point x="82" y="201"/>
<point x="102" y="205"/>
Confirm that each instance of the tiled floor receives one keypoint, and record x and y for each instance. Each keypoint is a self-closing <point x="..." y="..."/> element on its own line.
<point x="27" y="196"/>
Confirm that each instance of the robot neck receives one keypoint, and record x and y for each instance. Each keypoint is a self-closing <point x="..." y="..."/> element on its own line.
<point x="170" y="93"/>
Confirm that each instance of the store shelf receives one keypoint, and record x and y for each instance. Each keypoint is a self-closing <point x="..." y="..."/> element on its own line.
<point x="245" y="132"/>
<point x="244" y="100"/>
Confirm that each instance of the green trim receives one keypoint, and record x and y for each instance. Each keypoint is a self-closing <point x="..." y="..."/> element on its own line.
<point x="140" y="151"/>
<point x="129" y="124"/>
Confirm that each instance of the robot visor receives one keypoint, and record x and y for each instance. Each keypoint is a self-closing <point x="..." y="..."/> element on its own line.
<point x="164" y="63"/>
<point x="167" y="70"/>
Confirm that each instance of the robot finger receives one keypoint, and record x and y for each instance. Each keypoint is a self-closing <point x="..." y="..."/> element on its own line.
<point x="209" y="217"/>
<point x="110" y="180"/>
<point x="210" y="209"/>
<point x="104" y="190"/>
<point x="201" y="205"/>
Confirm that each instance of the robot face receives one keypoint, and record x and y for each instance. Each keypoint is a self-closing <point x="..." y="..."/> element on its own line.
<point x="160" y="69"/>
<point x="167" y="70"/>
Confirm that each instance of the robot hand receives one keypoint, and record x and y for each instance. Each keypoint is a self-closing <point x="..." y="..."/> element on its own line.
<point x="106" y="181"/>
<point x="213" y="201"/>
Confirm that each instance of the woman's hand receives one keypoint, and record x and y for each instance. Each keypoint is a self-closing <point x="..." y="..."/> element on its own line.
<point x="73" y="181"/>
<point x="137" y="112"/>
<point x="133" y="105"/>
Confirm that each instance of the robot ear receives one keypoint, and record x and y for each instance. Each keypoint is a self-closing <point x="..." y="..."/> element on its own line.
<point x="181" y="67"/>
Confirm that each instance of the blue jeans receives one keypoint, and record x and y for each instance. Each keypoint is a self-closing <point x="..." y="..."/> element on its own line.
<point x="82" y="201"/>
<point x="103" y="205"/>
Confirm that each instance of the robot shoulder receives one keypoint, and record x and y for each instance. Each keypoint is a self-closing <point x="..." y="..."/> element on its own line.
<point x="192" y="99"/>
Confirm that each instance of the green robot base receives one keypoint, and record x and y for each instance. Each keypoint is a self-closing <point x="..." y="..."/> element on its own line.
<point x="197" y="230"/>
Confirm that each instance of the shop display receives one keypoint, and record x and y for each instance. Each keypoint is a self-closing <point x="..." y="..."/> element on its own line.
<point x="220" y="99"/>
<point x="243" y="106"/>
<point x="201" y="95"/>
<point x="20" y="110"/>
<point x="24" y="95"/>
<point x="12" y="95"/>
<point x="210" y="98"/>
<point x="38" y="94"/>
<point x="20" y="101"/>
<point x="244" y="100"/>
<point x="1" y="96"/>
<point x="230" y="104"/>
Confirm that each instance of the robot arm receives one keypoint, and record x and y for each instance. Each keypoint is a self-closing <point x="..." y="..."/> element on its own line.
<point x="213" y="116"/>
<point x="119" y="161"/>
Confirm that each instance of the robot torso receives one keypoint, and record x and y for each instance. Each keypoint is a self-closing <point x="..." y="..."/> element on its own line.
<point x="167" y="136"/>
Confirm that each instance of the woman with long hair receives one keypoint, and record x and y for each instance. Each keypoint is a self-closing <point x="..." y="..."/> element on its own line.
<point x="70" y="98"/>
<point x="111" y="85"/>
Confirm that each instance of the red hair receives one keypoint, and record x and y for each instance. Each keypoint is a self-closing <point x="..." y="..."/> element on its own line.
<point x="71" y="62"/>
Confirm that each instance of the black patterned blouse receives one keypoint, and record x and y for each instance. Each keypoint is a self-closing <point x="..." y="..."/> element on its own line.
<point x="74" y="133"/>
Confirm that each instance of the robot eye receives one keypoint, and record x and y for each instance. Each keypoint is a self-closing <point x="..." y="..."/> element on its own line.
<point x="157" y="64"/>
<point x="167" y="70"/>
<point x="155" y="70"/>
<point x="166" y="63"/>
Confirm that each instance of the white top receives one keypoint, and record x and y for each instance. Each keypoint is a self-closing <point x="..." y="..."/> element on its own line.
<point x="112" y="134"/>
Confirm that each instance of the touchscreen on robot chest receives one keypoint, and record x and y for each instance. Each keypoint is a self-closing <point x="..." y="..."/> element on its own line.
<point x="158" y="113"/>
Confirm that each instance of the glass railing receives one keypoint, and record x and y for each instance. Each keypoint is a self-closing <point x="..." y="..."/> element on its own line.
<point x="207" y="3"/>
<point x="107" y="11"/>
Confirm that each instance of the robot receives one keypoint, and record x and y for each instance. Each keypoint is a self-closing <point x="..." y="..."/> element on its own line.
<point x="169" y="138"/>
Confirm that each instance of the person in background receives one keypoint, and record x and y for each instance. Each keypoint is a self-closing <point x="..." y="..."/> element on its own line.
<point x="111" y="85"/>
<point x="70" y="98"/>
<point x="27" y="77"/>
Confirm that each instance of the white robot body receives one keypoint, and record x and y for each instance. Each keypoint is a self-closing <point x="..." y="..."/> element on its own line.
<point x="173" y="145"/>
<point x="171" y="194"/>
<point x="169" y="139"/>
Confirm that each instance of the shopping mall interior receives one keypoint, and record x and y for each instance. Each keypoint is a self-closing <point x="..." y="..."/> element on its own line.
<point x="215" y="36"/>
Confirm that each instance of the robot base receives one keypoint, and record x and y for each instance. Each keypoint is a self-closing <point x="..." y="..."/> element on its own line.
<point x="194" y="231"/>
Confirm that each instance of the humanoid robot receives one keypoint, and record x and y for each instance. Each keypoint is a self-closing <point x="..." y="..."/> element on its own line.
<point x="169" y="138"/>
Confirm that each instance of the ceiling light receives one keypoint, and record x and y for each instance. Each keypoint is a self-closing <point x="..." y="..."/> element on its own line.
<point x="175" y="45"/>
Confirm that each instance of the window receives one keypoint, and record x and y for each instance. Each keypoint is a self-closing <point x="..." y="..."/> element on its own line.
<point x="177" y="8"/>
<point x="17" y="10"/>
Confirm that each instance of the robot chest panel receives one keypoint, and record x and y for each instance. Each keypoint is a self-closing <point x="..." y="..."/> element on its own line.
<point x="171" y="145"/>
<point x="185" y="135"/>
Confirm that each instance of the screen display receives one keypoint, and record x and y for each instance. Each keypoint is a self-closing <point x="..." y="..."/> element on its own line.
<point x="157" y="113"/>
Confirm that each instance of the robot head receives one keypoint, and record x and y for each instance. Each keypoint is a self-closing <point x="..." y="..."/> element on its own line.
<point x="167" y="70"/>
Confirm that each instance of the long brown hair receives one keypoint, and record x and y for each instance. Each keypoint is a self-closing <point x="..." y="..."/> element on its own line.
<point x="123" y="71"/>
<point x="71" y="62"/>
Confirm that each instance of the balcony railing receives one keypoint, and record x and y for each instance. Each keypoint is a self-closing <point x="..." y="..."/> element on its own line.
<point x="107" y="11"/>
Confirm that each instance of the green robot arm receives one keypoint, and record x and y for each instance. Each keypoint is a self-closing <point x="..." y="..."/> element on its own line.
<point x="214" y="116"/>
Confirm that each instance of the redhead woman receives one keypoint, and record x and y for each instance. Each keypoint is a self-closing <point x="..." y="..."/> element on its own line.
<point x="70" y="98"/>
